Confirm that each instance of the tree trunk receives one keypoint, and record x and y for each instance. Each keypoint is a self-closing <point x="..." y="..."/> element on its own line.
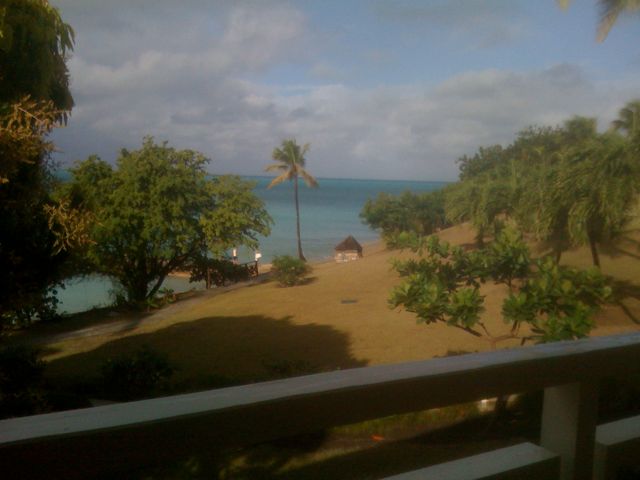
<point x="594" y="251"/>
<point x="295" y="193"/>
<point x="480" y="237"/>
<point x="558" y="255"/>
<point x="136" y="291"/>
<point x="152" y="292"/>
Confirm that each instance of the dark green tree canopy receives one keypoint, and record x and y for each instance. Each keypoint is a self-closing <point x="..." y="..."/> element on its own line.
<point x="34" y="96"/>
<point x="551" y="302"/>
<point x="157" y="210"/>
<point x="409" y="212"/>
<point x="34" y="46"/>
<point x="628" y="120"/>
<point x="486" y="159"/>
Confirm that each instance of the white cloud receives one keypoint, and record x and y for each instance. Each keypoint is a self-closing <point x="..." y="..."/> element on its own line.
<point x="485" y="24"/>
<point x="203" y="92"/>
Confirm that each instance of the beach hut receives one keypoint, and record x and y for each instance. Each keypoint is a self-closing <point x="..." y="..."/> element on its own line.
<point x="348" y="249"/>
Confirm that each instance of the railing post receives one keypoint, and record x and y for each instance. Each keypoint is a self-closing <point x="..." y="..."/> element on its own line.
<point x="569" y="418"/>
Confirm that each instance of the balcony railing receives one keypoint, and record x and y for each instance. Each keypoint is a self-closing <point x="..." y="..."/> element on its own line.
<point x="92" y="442"/>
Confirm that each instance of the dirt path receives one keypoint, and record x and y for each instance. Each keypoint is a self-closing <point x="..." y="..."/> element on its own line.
<point x="117" y="326"/>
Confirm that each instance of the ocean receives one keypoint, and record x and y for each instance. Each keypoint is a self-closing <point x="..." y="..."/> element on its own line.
<point x="327" y="215"/>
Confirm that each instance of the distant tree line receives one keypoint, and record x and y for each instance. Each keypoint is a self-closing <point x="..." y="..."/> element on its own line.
<point x="565" y="186"/>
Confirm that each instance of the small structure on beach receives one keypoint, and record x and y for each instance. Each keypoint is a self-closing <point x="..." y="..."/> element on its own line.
<point x="347" y="250"/>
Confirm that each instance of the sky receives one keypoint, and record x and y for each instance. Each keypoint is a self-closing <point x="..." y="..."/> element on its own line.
<point x="380" y="89"/>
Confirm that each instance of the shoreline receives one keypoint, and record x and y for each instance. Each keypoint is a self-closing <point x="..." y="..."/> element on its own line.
<point x="264" y="268"/>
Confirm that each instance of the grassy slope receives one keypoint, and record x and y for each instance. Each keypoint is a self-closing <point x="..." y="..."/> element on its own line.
<point x="338" y="320"/>
<point x="252" y="333"/>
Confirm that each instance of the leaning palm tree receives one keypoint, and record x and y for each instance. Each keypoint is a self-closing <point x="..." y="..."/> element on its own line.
<point x="290" y="158"/>
<point x="609" y="12"/>
<point x="628" y="119"/>
<point x="598" y="183"/>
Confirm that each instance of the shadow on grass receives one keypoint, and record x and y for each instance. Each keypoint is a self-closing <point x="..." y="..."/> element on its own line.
<point x="118" y="318"/>
<point x="220" y="351"/>
<point x="390" y="458"/>
<point x="349" y="459"/>
<point x="301" y="283"/>
<point x="214" y="352"/>
<point x="624" y="289"/>
<point x="615" y="251"/>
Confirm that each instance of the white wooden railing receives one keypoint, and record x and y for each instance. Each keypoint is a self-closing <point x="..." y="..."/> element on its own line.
<point x="91" y="442"/>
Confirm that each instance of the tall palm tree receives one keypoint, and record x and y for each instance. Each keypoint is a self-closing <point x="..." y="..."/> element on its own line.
<point x="628" y="119"/>
<point x="290" y="161"/>
<point x="609" y="11"/>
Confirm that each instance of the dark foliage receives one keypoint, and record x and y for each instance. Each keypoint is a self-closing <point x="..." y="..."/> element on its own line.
<point x="218" y="271"/>
<point x="422" y="214"/>
<point x="20" y="382"/>
<point x="138" y="375"/>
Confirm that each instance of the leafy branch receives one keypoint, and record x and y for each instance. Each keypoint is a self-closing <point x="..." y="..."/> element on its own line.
<point x="555" y="302"/>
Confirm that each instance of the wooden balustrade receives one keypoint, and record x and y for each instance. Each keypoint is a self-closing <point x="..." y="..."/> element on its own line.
<point x="90" y="442"/>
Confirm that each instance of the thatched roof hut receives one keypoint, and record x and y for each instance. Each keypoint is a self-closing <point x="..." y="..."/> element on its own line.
<point x="348" y="249"/>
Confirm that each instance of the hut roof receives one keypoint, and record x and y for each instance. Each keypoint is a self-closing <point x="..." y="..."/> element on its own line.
<point x="349" y="243"/>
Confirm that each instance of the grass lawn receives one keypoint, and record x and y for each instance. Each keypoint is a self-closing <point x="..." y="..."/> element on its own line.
<point x="340" y="319"/>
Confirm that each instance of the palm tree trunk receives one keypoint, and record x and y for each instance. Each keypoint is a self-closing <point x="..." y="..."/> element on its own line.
<point x="594" y="251"/>
<point x="295" y="193"/>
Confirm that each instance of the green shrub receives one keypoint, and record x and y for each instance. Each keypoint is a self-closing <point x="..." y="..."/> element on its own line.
<point x="219" y="271"/>
<point x="136" y="375"/>
<point x="164" y="297"/>
<point x="289" y="271"/>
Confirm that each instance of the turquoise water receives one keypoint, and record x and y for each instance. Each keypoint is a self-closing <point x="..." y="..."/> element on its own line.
<point x="327" y="215"/>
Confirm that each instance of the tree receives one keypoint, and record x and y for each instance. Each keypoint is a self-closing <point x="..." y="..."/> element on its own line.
<point x="609" y="12"/>
<point x="34" y="97"/>
<point x="485" y="160"/>
<point x="543" y="211"/>
<point x="577" y="188"/>
<point x="157" y="211"/>
<point x="543" y="206"/>
<point x="483" y="200"/>
<point x="34" y="47"/>
<point x="422" y="213"/>
<point x="556" y="303"/>
<point x="291" y="162"/>
<point x="599" y="183"/>
<point x="584" y="194"/>
<point x="629" y="119"/>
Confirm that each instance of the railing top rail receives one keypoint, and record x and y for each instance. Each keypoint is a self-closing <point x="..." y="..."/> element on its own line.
<point x="266" y="411"/>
